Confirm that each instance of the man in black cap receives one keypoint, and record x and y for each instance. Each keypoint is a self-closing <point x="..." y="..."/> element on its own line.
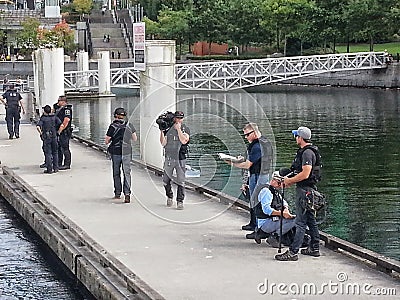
<point x="119" y="135"/>
<point x="47" y="129"/>
<point x="13" y="110"/>
<point x="175" y="142"/>
<point x="306" y="167"/>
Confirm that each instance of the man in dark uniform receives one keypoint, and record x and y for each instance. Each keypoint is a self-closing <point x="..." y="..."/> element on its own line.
<point x="13" y="110"/>
<point x="175" y="142"/>
<point x="64" y="113"/>
<point x="47" y="129"/>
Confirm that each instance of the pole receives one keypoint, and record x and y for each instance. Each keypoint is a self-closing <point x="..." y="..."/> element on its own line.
<point x="281" y="218"/>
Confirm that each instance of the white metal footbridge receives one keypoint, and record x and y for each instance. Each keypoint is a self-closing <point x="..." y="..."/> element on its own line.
<point x="238" y="74"/>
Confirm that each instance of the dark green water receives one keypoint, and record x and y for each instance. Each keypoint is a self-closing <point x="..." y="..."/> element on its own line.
<point x="357" y="131"/>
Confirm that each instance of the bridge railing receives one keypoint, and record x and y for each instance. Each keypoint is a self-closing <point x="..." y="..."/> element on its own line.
<point x="120" y="77"/>
<point x="237" y="74"/>
<point x="230" y="75"/>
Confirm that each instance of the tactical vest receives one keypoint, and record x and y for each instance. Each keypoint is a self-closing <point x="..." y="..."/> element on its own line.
<point x="65" y="111"/>
<point x="49" y="126"/>
<point x="13" y="98"/>
<point x="315" y="175"/>
<point x="263" y="165"/>
<point x="276" y="202"/>
<point x="174" y="148"/>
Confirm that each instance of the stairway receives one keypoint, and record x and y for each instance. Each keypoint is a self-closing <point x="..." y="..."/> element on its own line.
<point x="101" y="25"/>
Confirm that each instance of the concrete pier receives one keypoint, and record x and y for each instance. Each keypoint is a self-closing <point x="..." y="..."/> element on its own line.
<point x="144" y="250"/>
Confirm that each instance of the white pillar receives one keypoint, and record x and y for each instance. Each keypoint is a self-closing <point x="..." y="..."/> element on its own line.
<point x="104" y="73"/>
<point x="82" y="61"/>
<point x="157" y="95"/>
<point x="48" y="68"/>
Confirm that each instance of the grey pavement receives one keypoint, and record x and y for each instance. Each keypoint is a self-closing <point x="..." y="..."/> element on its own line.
<point x="197" y="253"/>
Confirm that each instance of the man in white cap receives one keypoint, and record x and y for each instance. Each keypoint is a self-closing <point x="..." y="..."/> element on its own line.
<point x="306" y="167"/>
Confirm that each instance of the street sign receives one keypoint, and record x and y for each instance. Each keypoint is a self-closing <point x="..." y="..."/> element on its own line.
<point x="139" y="40"/>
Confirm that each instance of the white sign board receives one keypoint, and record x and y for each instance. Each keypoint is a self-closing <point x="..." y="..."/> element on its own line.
<point x="139" y="39"/>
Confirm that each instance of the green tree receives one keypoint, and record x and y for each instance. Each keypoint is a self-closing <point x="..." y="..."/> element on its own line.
<point x="174" y="25"/>
<point x="27" y="38"/>
<point x="286" y="16"/>
<point x="209" y="22"/>
<point x="82" y="6"/>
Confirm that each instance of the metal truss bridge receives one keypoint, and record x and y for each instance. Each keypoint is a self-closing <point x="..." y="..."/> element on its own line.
<point x="238" y="74"/>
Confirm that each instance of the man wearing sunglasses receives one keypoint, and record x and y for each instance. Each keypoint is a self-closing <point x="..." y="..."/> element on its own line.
<point x="258" y="162"/>
<point x="307" y="174"/>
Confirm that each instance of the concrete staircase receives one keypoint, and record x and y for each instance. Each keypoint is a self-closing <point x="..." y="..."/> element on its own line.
<point x="101" y="25"/>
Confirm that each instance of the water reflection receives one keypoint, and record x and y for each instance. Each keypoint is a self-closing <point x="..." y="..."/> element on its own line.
<point x="357" y="131"/>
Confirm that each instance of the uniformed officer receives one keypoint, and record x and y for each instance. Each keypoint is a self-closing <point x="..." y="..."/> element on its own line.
<point x="64" y="113"/>
<point x="48" y="133"/>
<point x="13" y="110"/>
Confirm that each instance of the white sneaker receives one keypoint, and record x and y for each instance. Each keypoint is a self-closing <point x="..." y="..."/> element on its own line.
<point x="179" y="205"/>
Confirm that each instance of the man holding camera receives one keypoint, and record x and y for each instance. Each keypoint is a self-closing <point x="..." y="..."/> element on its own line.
<point x="306" y="169"/>
<point x="175" y="140"/>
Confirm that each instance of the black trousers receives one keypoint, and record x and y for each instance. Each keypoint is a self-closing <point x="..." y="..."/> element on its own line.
<point x="64" y="154"/>
<point x="50" y="150"/>
<point x="12" y="118"/>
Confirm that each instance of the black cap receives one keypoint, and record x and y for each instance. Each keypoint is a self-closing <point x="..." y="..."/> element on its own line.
<point x="47" y="109"/>
<point x="179" y="114"/>
<point x="120" y="111"/>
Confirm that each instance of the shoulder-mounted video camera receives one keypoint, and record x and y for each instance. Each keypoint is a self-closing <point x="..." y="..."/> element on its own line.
<point x="165" y="121"/>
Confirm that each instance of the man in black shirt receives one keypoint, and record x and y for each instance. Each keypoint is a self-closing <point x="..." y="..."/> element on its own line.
<point x="175" y="142"/>
<point x="119" y="135"/>
<point x="306" y="167"/>
<point x="13" y="110"/>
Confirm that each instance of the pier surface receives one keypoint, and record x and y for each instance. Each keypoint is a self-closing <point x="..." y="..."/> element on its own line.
<point x="197" y="253"/>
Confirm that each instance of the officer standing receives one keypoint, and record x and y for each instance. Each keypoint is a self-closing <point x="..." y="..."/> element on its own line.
<point x="47" y="129"/>
<point x="13" y="110"/>
<point x="64" y="113"/>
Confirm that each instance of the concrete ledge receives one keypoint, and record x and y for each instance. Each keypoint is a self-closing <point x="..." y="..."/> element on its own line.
<point x="102" y="274"/>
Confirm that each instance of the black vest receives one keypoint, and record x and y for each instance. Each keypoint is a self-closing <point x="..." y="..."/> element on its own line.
<point x="49" y="126"/>
<point x="263" y="165"/>
<point x="65" y="111"/>
<point x="315" y="175"/>
<point x="13" y="98"/>
<point x="276" y="202"/>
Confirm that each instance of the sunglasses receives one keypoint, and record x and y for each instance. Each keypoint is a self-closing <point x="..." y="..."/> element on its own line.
<point x="247" y="134"/>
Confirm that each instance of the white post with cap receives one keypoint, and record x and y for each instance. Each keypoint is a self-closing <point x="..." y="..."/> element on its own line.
<point x="104" y="73"/>
<point x="157" y="95"/>
<point x="48" y="67"/>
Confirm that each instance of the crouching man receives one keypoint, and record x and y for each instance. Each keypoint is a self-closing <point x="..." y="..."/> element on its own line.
<point x="268" y="211"/>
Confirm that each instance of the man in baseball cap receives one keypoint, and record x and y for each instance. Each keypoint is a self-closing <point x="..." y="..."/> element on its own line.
<point x="303" y="132"/>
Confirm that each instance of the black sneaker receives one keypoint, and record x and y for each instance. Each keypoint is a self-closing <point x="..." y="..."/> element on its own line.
<point x="311" y="252"/>
<point x="273" y="241"/>
<point x="127" y="198"/>
<point x="251" y="236"/>
<point x="260" y="235"/>
<point x="248" y="227"/>
<point x="287" y="256"/>
<point x="43" y="165"/>
<point x="10" y="137"/>
<point x="17" y="136"/>
<point x="48" y="172"/>
<point x="64" y="168"/>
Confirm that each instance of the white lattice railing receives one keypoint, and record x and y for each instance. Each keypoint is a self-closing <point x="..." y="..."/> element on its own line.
<point x="237" y="74"/>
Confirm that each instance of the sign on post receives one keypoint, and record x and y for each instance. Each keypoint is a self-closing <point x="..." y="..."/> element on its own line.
<point x="139" y="39"/>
